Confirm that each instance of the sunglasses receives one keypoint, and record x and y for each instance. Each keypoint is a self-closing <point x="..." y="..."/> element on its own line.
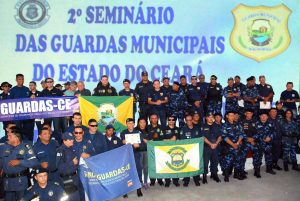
<point x="77" y="133"/>
<point x="93" y="125"/>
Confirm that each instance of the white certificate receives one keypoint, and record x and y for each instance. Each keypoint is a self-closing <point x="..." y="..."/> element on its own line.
<point x="241" y="103"/>
<point x="134" y="138"/>
<point x="262" y="105"/>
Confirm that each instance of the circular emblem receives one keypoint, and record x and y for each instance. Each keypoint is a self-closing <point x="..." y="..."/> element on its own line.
<point x="115" y="141"/>
<point x="32" y="14"/>
<point x="293" y="95"/>
<point x="84" y="147"/>
<point x="198" y="88"/>
<point x="107" y="114"/>
<point x="109" y="91"/>
<point x="21" y="152"/>
<point x="218" y="88"/>
<point x="161" y="94"/>
<point x="178" y="162"/>
<point x="50" y="193"/>
<point x="30" y="151"/>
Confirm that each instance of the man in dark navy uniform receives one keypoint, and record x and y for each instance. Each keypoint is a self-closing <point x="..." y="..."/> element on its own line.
<point x="104" y="88"/>
<point x="127" y="91"/>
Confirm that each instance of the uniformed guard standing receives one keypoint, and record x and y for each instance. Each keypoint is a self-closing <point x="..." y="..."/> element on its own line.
<point x="104" y="88"/>
<point x="112" y="141"/>
<point x="135" y="145"/>
<point x="142" y="90"/>
<point x="232" y="134"/>
<point x="16" y="158"/>
<point x="214" y="96"/>
<point x="45" y="151"/>
<point x="250" y="96"/>
<point x="67" y="164"/>
<point x="231" y="94"/>
<point x="266" y="132"/>
<point x="177" y="103"/>
<point x="251" y="142"/>
<point x="290" y="132"/>
<point x="44" y="189"/>
<point x="277" y="138"/>
<point x="189" y="131"/>
<point x="157" y="101"/>
<point x="171" y="133"/>
<point x="195" y="96"/>
<point x="155" y="133"/>
<point x="127" y="91"/>
<point x="212" y="138"/>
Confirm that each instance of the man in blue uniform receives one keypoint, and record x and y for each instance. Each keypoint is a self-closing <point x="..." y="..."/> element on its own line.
<point x="266" y="132"/>
<point x="277" y="138"/>
<point x="231" y="94"/>
<point x="127" y="91"/>
<point x="21" y="91"/>
<point x="67" y="164"/>
<point x="214" y="96"/>
<point x="5" y="87"/>
<point x="183" y="84"/>
<point x="142" y="90"/>
<point x="212" y="138"/>
<point x="59" y="123"/>
<point x="265" y="91"/>
<point x="157" y="101"/>
<point x="112" y="141"/>
<point x="195" y="96"/>
<point x="44" y="189"/>
<point x="83" y="149"/>
<point x="290" y="132"/>
<point x="189" y="131"/>
<point x="171" y="132"/>
<point x="232" y="134"/>
<point x="289" y="97"/>
<point x="16" y="158"/>
<point x="251" y="143"/>
<point x="155" y="133"/>
<point x="45" y="151"/>
<point x="177" y="103"/>
<point x="104" y="88"/>
<point x="77" y="121"/>
<point x="97" y="138"/>
<point x="250" y="96"/>
<point x="136" y="145"/>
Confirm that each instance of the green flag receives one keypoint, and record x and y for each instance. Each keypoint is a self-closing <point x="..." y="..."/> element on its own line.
<point x="175" y="159"/>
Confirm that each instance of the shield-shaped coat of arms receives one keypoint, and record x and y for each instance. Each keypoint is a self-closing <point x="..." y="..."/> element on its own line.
<point x="260" y="32"/>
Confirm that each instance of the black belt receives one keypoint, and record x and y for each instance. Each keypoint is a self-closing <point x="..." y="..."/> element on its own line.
<point x="67" y="176"/>
<point x="20" y="174"/>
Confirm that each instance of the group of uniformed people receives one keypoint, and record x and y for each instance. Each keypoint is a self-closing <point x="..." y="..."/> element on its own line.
<point x="248" y="127"/>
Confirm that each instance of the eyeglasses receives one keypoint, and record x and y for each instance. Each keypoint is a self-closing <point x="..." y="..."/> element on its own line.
<point x="77" y="133"/>
<point x="93" y="125"/>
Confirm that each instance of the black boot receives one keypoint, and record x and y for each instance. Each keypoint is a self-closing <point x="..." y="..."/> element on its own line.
<point x="257" y="172"/>
<point x="226" y="175"/>
<point x="238" y="175"/>
<point x="125" y="196"/>
<point x="286" y="166"/>
<point x="204" y="179"/>
<point x="139" y="192"/>
<point x="276" y="166"/>
<point x="270" y="170"/>
<point x="295" y="167"/>
<point x="216" y="177"/>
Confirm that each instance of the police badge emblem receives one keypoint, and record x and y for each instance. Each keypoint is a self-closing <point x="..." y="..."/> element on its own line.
<point x="260" y="32"/>
<point x="32" y="14"/>
<point x="178" y="162"/>
<point x="107" y="114"/>
<point x="115" y="142"/>
<point x="21" y="152"/>
<point x="50" y="193"/>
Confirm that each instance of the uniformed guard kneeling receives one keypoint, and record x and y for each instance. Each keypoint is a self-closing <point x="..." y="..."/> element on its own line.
<point x="43" y="189"/>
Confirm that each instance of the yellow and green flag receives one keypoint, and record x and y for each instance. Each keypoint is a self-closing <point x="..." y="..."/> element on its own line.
<point x="175" y="159"/>
<point x="113" y="110"/>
